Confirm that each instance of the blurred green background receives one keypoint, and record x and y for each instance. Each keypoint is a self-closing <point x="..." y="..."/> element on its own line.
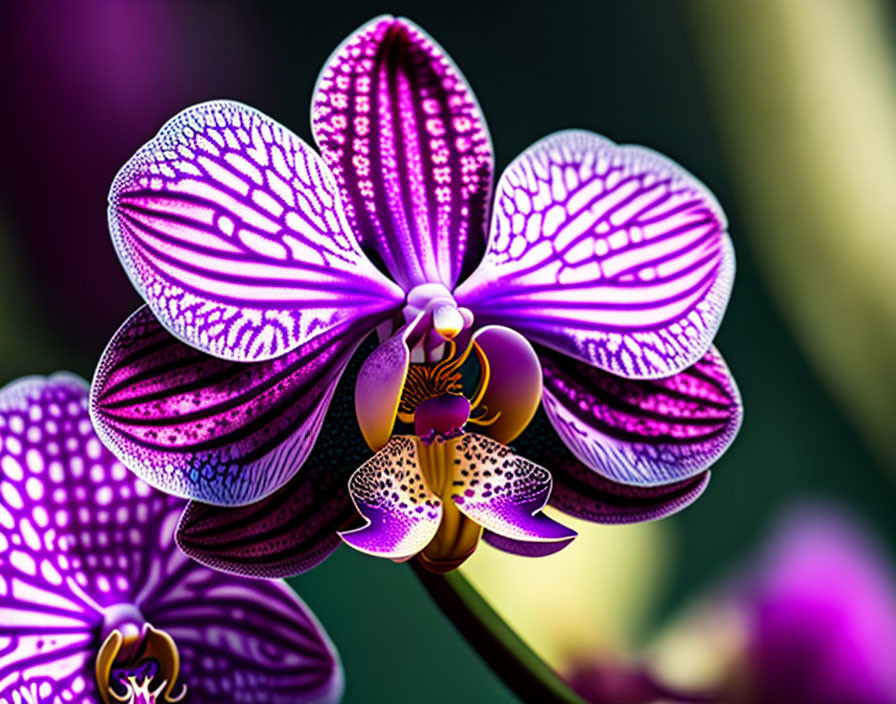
<point x="786" y="109"/>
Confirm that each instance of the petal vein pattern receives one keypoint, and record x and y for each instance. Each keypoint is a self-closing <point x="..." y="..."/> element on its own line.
<point x="233" y="231"/>
<point x="643" y="432"/>
<point x="83" y="542"/>
<point x="581" y="492"/>
<point x="611" y="254"/>
<point x="407" y="142"/>
<point x="204" y="428"/>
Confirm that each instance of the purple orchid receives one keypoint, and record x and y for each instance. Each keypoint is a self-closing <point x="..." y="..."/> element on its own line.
<point x="97" y="604"/>
<point x="597" y="293"/>
<point x="819" y="611"/>
<point x="810" y="620"/>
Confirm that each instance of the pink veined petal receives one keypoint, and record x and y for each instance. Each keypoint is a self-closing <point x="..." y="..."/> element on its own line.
<point x="233" y="230"/>
<point x="643" y="432"/>
<point x="581" y="492"/>
<point x="402" y="515"/>
<point x="504" y="493"/>
<point x="200" y="427"/>
<point x="611" y="254"/>
<point x="233" y="633"/>
<point x="83" y="538"/>
<point x="402" y="131"/>
<point x="295" y="528"/>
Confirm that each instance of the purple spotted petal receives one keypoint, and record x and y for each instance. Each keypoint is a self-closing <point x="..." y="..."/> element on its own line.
<point x="201" y="427"/>
<point x="83" y="541"/>
<point x="643" y="432"/>
<point x="583" y="493"/>
<point x="611" y="254"/>
<point x="295" y="528"/>
<point x="402" y="132"/>
<point x="402" y="514"/>
<point x="232" y="229"/>
<point x="504" y="493"/>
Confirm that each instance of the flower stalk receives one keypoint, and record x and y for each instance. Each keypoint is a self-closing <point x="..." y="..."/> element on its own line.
<point x="526" y="674"/>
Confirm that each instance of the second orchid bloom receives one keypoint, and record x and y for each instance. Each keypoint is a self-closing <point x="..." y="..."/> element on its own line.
<point x="595" y="295"/>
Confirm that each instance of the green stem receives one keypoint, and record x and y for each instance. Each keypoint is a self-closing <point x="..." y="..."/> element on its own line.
<point x="509" y="657"/>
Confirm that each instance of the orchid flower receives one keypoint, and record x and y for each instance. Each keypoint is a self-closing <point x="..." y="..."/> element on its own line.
<point x="595" y="294"/>
<point x="97" y="603"/>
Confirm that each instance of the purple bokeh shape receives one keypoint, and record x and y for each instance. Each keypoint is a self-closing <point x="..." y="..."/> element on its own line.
<point x="820" y="609"/>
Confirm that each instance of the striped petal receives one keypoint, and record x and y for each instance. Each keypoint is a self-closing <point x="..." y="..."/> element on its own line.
<point x="402" y="132"/>
<point x="504" y="493"/>
<point x="233" y="231"/>
<point x="200" y="427"/>
<point x="581" y="492"/>
<point x="235" y="635"/>
<point x="643" y="432"/>
<point x="296" y="527"/>
<point x="402" y="515"/>
<point x="84" y="541"/>
<point x="610" y="254"/>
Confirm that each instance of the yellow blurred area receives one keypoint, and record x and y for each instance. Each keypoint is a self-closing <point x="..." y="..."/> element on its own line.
<point x="592" y="597"/>
<point x="703" y="649"/>
<point x="805" y="92"/>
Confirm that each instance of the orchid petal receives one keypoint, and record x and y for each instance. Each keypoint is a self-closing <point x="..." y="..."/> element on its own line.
<point x="83" y="540"/>
<point x="295" y="528"/>
<point x="233" y="231"/>
<point x="643" y="432"/>
<point x="235" y="634"/>
<point x="200" y="427"/>
<point x="502" y="492"/>
<point x="524" y="548"/>
<point x="380" y="385"/>
<point x="388" y="490"/>
<point x="611" y="254"/>
<point x="406" y="140"/>
<point x="514" y="381"/>
<point x="583" y="493"/>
